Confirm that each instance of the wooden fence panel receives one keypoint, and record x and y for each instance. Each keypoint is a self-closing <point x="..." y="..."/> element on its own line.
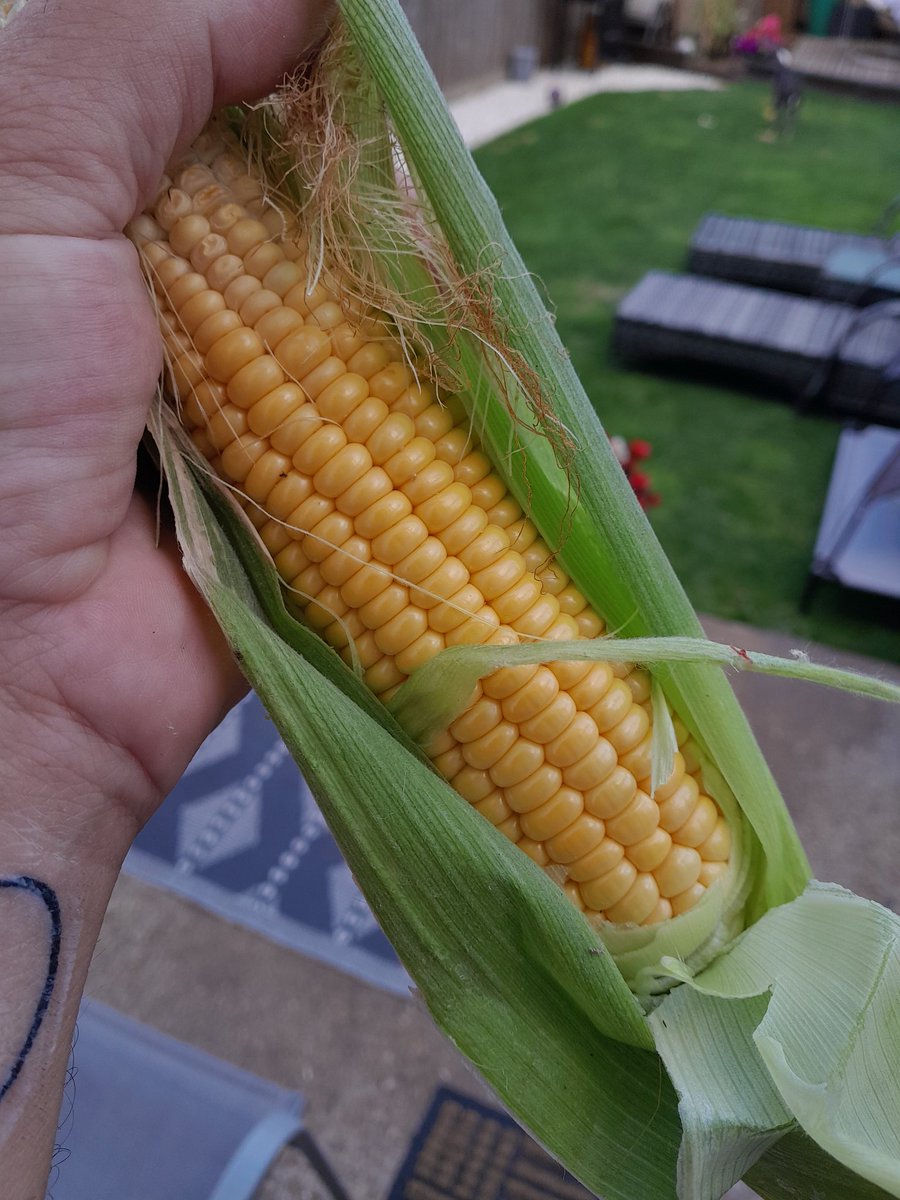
<point x="468" y="41"/>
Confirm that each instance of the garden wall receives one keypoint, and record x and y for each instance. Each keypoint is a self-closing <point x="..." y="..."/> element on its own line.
<point x="467" y="41"/>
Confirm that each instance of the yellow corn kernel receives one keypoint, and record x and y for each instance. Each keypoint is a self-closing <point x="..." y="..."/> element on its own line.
<point x="554" y="817"/>
<point x="578" y="839"/>
<point x="578" y="739"/>
<point x="608" y="889"/>
<point x="536" y="789"/>
<point x="649" y="852"/>
<point x="493" y="806"/>
<point x="678" y="870"/>
<point x="711" y="872"/>
<point x="637" y="821"/>
<point x="637" y="904"/>
<point x="518" y="763"/>
<point x="602" y="858"/>
<point x="675" y="811"/>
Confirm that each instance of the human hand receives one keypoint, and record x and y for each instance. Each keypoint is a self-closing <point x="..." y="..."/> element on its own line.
<point x="111" y="671"/>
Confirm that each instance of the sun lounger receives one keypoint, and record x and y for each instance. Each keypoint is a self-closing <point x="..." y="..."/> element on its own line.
<point x="842" y="360"/>
<point x="860" y="275"/>
<point x="770" y="254"/>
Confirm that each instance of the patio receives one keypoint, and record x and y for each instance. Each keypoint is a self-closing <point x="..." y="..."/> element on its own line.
<point x="863" y="67"/>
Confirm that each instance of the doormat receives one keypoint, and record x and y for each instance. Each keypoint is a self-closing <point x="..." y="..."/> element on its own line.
<point x="467" y="1151"/>
<point x="242" y="836"/>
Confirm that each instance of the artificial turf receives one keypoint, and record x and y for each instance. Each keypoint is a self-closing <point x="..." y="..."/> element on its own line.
<point x="596" y="194"/>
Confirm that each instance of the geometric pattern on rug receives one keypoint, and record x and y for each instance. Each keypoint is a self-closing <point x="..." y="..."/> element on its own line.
<point x="241" y="834"/>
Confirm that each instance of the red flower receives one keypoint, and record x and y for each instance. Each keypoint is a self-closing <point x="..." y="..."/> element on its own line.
<point x="639" y="448"/>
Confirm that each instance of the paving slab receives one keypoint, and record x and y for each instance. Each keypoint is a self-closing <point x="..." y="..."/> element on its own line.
<point x="836" y="758"/>
<point x="367" y="1061"/>
<point x="487" y="113"/>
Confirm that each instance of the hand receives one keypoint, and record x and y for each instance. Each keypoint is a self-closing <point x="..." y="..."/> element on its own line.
<point x="111" y="671"/>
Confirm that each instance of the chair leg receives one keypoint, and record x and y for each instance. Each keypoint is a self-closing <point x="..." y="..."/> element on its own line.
<point x="809" y="590"/>
<point x="309" y="1148"/>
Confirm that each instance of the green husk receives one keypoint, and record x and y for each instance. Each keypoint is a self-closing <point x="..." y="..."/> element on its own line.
<point x="799" y="1022"/>
<point x="665" y="740"/>
<point x="439" y="691"/>
<point x="507" y="966"/>
<point x="553" y="1013"/>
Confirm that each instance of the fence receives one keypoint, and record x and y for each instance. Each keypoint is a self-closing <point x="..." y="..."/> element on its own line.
<point x="468" y="41"/>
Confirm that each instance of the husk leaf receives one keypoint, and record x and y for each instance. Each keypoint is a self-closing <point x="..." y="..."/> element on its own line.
<point x="799" y="1022"/>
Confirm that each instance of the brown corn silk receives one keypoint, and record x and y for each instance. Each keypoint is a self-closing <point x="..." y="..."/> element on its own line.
<point x="395" y="538"/>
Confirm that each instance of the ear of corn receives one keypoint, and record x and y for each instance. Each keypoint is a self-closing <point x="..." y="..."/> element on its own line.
<point x="396" y="540"/>
<point x="610" y="549"/>
<point x="366" y="492"/>
<point x="506" y="964"/>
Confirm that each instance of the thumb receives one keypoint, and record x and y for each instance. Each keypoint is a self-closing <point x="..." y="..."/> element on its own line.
<point x="97" y="94"/>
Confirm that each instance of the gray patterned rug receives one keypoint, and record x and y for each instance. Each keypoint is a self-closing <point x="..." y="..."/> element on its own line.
<point x="242" y="836"/>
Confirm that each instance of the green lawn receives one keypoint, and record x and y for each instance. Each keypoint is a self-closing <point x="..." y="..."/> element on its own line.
<point x="600" y="192"/>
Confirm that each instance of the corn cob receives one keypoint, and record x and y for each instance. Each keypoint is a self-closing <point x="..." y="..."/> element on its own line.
<point x="395" y="539"/>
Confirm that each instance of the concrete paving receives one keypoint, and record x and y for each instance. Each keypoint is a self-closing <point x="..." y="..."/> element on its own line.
<point x="489" y="112"/>
<point x="368" y="1062"/>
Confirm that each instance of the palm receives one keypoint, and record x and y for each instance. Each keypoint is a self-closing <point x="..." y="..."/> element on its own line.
<point x="104" y="641"/>
<point x="148" y="669"/>
<point x="98" y="618"/>
<point x="110" y="670"/>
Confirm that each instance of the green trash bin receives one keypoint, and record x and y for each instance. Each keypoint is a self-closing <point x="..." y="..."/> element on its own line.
<point x="819" y="15"/>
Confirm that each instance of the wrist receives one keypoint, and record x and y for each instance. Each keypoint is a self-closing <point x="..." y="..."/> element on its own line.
<point x="71" y="802"/>
<point x="62" y="841"/>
